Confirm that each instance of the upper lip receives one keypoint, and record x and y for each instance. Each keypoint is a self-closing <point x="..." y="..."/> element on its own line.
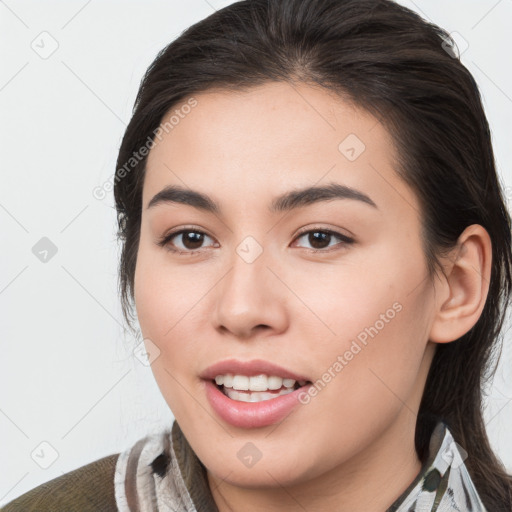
<point x="250" y="369"/>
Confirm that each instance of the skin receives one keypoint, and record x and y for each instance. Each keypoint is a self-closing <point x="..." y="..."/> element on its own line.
<point x="351" y="448"/>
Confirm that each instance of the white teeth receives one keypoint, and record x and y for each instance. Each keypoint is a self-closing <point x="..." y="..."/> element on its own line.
<point x="254" y="396"/>
<point x="257" y="386"/>
<point x="241" y="382"/>
<point x="274" y="382"/>
<point x="260" y="382"/>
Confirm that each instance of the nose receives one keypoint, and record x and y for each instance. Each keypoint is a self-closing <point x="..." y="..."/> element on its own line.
<point x="251" y="299"/>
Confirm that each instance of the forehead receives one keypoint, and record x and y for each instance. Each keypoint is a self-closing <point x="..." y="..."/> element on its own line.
<point x="255" y="144"/>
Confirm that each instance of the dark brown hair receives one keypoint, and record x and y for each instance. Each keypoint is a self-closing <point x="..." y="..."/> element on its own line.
<point x="387" y="60"/>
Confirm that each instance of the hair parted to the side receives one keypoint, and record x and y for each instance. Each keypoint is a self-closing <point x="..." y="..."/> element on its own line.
<point x="388" y="60"/>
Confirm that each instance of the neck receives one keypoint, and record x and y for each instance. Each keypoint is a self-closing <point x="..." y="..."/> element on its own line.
<point x="370" y="481"/>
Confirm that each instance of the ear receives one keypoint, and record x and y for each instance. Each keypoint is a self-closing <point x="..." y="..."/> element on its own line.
<point x="461" y="293"/>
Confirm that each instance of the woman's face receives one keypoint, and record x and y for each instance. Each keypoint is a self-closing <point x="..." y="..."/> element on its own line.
<point x="247" y="295"/>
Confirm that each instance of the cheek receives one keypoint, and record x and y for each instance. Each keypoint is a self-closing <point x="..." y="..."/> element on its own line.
<point x="374" y="292"/>
<point x="170" y="313"/>
<point x="379" y="349"/>
<point x="162" y="314"/>
<point x="378" y="314"/>
<point x="151" y="301"/>
<point x="369" y="371"/>
<point x="163" y="293"/>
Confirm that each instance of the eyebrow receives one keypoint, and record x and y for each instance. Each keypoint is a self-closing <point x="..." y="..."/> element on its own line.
<point x="291" y="200"/>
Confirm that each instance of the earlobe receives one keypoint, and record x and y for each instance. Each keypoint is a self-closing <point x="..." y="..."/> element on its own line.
<point x="463" y="291"/>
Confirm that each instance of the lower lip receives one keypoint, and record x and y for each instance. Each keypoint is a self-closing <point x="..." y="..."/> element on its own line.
<point x="251" y="414"/>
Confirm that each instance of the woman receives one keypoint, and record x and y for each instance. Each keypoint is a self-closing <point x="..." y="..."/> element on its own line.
<point x="319" y="255"/>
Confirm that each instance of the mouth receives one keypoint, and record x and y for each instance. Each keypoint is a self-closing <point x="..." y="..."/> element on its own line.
<point x="256" y="388"/>
<point x="252" y="394"/>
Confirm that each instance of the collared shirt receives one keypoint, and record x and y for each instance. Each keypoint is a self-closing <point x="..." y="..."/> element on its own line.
<point x="161" y="472"/>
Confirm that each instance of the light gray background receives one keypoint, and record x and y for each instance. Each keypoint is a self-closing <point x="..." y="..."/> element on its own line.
<point x="69" y="377"/>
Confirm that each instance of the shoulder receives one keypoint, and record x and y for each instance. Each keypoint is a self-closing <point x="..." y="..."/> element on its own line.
<point x="88" y="488"/>
<point x="160" y="471"/>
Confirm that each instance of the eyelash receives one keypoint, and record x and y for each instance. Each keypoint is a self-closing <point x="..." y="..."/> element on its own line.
<point x="164" y="241"/>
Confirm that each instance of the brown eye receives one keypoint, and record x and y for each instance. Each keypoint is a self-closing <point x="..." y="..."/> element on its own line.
<point x="191" y="239"/>
<point x="184" y="241"/>
<point x="320" y="239"/>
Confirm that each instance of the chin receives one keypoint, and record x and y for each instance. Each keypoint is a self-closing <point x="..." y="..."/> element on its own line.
<point x="262" y="475"/>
